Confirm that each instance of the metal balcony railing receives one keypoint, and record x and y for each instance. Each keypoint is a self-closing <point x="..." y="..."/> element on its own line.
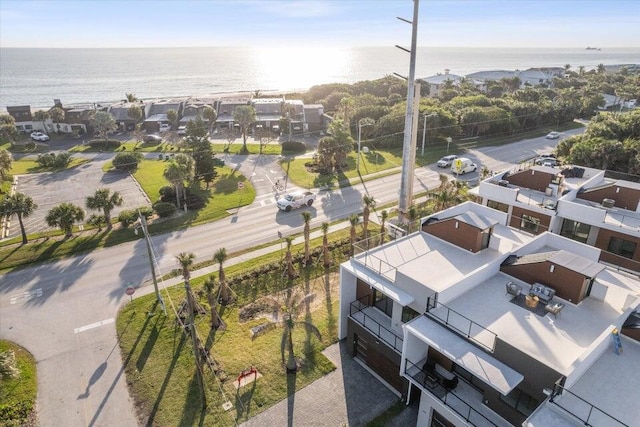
<point x="448" y="397"/>
<point x="586" y="412"/>
<point x="356" y="312"/>
<point x="461" y="324"/>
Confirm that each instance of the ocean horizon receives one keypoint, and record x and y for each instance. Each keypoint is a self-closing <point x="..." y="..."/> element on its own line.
<point x="37" y="76"/>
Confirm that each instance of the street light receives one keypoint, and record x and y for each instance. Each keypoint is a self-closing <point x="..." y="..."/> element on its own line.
<point x="424" y="129"/>
<point x="142" y="223"/>
<point x="361" y="123"/>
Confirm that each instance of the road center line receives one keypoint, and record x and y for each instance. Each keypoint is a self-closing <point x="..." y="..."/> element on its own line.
<point x="93" y="325"/>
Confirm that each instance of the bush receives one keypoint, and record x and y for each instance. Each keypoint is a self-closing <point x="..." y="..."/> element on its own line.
<point x="167" y="194"/>
<point x="52" y="160"/>
<point x="194" y="202"/>
<point x="111" y="144"/>
<point x="164" y="209"/>
<point x="127" y="161"/>
<point x="128" y="217"/>
<point x="294" y="147"/>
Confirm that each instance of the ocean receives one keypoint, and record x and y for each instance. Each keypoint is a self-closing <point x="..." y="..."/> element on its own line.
<point x="38" y="76"/>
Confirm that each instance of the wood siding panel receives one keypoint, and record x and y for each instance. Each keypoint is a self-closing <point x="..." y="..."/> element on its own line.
<point x="534" y="180"/>
<point x="465" y="236"/>
<point x="625" y="198"/>
<point x="568" y="284"/>
<point x="516" y="218"/>
<point x="602" y="242"/>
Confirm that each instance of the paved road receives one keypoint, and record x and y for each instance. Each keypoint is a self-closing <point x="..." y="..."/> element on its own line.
<point x="62" y="311"/>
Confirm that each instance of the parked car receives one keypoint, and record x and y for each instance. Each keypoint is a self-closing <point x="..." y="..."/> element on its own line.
<point x="462" y="165"/>
<point x="446" y="161"/>
<point x="553" y="135"/>
<point x="152" y="138"/>
<point x="182" y="130"/>
<point x="546" y="160"/>
<point x="165" y="127"/>
<point x="39" y="136"/>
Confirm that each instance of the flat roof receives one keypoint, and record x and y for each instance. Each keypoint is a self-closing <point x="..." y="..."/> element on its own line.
<point x="611" y="384"/>
<point x="378" y="282"/>
<point x="484" y="366"/>
<point x="624" y="219"/>
<point x="557" y="342"/>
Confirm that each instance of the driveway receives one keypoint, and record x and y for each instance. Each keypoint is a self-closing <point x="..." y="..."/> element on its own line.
<point x="348" y="396"/>
<point x="49" y="189"/>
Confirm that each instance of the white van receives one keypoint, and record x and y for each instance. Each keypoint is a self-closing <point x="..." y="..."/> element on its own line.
<point x="463" y="165"/>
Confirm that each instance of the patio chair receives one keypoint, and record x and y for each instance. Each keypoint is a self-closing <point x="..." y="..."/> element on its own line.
<point x="513" y="289"/>
<point x="554" y="308"/>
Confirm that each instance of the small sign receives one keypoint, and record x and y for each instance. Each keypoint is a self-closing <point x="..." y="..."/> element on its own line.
<point x="240" y="185"/>
<point x="130" y="290"/>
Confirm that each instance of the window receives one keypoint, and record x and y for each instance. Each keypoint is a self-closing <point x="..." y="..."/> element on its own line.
<point x="498" y="206"/>
<point x="383" y="302"/>
<point x="621" y="247"/>
<point x="529" y="223"/>
<point x="408" y="314"/>
<point x="575" y="230"/>
<point x="521" y="401"/>
<point x="437" y="420"/>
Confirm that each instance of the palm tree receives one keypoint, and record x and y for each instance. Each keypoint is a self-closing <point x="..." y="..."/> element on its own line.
<point x="42" y="116"/>
<point x="383" y="217"/>
<point x="104" y="200"/>
<point x="369" y="203"/>
<point x="6" y="160"/>
<point x="353" y="220"/>
<point x="63" y="216"/>
<point x="177" y="172"/>
<point x="131" y="97"/>
<point x="209" y="286"/>
<point x="291" y="271"/>
<point x="186" y="259"/>
<point x="244" y="116"/>
<point x="306" y="217"/>
<point x="21" y="205"/>
<point x="294" y="305"/>
<point x="325" y="244"/>
<point x="220" y="256"/>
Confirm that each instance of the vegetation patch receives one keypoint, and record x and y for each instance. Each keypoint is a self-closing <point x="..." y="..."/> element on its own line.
<point x="18" y="386"/>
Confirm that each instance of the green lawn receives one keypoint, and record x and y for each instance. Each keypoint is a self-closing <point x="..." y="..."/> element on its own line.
<point x="18" y="395"/>
<point x="273" y="148"/>
<point x="25" y="166"/>
<point x="160" y="369"/>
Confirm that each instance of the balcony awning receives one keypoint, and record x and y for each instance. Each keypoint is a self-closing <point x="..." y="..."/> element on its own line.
<point x="482" y="365"/>
<point x="380" y="284"/>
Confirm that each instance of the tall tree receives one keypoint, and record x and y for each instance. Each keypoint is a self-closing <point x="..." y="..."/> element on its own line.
<point x="104" y="124"/>
<point x="306" y="218"/>
<point x="6" y="161"/>
<point x="294" y="305"/>
<point x="42" y="116"/>
<point x="64" y="216"/>
<point x="368" y="203"/>
<point x="179" y="170"/>
<point x="185" y="260"/>
<point x="325" y="244"/>
<point x="8" y="131"/>
<point x="288" y="259"/>
<point x="334" y="148"/>
<point x="135" y="113"/>
<point x="210" y="115"/>
<point x="172" y="116"/>
<point x="210" y="287"/>
<point x="22" y="206"/>
<point x="104" y="200"/>
<point x="220" y="256"/>
<point x="244" y="115"/>
<point x="383" y="218"/>
<point x="353" y="220"/>
<point x="57" y="116"/>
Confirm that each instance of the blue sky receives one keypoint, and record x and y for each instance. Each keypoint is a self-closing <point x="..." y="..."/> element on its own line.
<point x="479" y="23"/>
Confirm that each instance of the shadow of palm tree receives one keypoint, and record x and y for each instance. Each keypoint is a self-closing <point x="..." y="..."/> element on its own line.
<point x="331" y="320"/>
<point x="192" y="406"/>
<point x="291" y="397"/>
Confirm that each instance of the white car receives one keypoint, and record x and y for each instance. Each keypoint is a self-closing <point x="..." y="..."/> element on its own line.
<point x="165" y="127"/>
<point x="182" y="130"/>
<point x="39" y="136"/>
<point x="553" y="135"/>
<point x="446" y="161"/>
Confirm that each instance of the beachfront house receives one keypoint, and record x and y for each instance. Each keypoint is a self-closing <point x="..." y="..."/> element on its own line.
<point x="226" y="107"/>
<point x="23" y="119"/>
<point x="156" y="113"/>
<point x="194" y="107"/>
<point x="120" y="113"/>
<point x="440" y="81"/>
<point x="483" y="324"/>
<point x="268" y="113"/>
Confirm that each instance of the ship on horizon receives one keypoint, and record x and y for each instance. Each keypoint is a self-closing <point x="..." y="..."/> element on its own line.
<point x="593" y="48"/>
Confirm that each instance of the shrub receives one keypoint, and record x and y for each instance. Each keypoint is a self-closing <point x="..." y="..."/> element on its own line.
<point x="52" y="160"/>
<point x="111" y="144"/>
<point x="164" y="209"/>
<point x="128" y="217"/>
<point x="127" y="161"/>
<point x="294" y="147"/>
<point x="194" y="202"/>
<point x="167" y="194"/>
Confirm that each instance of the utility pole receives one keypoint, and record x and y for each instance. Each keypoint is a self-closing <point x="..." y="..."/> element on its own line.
<point x="410" y="124"/>
<point x="142" y="223"/>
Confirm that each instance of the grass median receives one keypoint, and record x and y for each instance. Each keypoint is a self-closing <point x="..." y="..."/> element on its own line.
<point x="17" y="391"/>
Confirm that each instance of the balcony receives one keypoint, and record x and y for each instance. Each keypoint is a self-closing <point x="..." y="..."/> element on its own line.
<point x="588" y="414"/>
<point x="465" y="401"/>
<point x="461" y="324"/>
<point x="375" y="322"/>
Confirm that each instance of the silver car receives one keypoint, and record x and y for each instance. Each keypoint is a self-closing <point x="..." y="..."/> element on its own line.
<point x="446" y="161"/>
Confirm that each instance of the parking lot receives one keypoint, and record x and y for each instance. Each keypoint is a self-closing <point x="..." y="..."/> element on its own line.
<point x="49" y="189"/>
